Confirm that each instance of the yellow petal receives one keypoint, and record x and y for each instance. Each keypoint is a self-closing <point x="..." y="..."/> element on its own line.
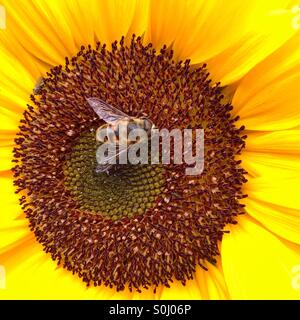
<point x="13" y="225"/>
<point x="272" y="154"/>
<point x="9" y="120"/>
<point x="7" y="138"/>
<point x="177" y="291"/>
<point x="140" y="19"/>
<point x="268" y="98"/>
<point x="284" y="222"/>
<point x="6" y="157"/>
<point x="52" y="30"/>
<point x="257" y="265"/>
<point x="284" y="143"/>
<point x="16" y="83"/>
<point x="16" y="86"/>
<point x="280" y="188"/>
<point x="18" y="230"/>
<point x="270" y="165"/>
<point x="11" y="48"/>
<point x="206" y="285"/>
<point x="195" y="30"/>
<point x="114" y="19"/>
<point x="272" y="160"/>
<point x="212" y="282"/>
<point x="10" y="208"/>
<point x="33" y="23"/>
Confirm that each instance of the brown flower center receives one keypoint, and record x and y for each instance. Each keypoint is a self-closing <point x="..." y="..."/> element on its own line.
<point x="145" y="224"/>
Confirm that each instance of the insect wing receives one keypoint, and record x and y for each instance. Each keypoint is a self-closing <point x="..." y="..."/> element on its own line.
<point x="114" y="155"/>
<point x="105" y="111"/>
<point x="103" y="167"/>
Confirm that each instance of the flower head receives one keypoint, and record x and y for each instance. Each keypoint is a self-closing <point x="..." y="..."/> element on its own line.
<point x="150" y="229"/>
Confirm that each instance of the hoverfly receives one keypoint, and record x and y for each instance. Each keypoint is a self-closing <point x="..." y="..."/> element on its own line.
<point x="39" y="86"/>
<point x="115" y="119"/>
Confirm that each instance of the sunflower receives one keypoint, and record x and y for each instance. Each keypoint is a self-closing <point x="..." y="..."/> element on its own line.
<point x="150" y="232"/>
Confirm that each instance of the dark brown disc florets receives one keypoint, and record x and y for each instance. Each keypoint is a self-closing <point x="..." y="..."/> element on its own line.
<point x="127" y="242"/>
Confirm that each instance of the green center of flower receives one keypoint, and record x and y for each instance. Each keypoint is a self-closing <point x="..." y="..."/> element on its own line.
<point x="126" y="191"/>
